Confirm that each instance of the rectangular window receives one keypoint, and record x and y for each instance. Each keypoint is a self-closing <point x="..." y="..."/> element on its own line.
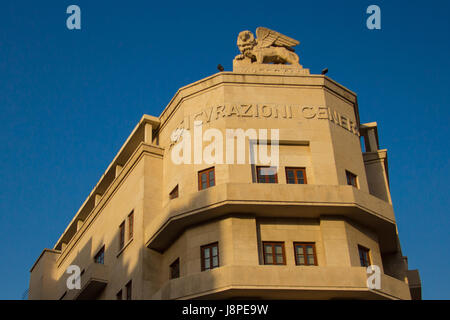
<point x="305" y="254"/>
<point x="364" y="257"/>
<point x="174" y="193"/>
<point x="119" y="295"/>
<point x="296" y="175"/>
<point x="267" y="174"/>
<point x="121" y="235"/>
<point x="351" y="179"/>
<point x="128" y="288"/>
<point x="130" y="225"/>
<point x="210" y="256"/>
<point x="206" y="178"/>
<point x="100" y="256"/>
<point x="175" y="269"/>
<point x="274" y="253"/>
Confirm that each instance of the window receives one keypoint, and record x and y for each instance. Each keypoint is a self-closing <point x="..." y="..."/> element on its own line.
<point x="210" y="256"/>
<point x="274" y="253"/>
<point x="100" y="256"/>
<point x="130" y="225"/>
<point x="119" y="295"/>
<point x="364" y="257"/>
<point x="351" y="179"/>
<point x="267" y="174"/>
<point x="174" y="193"/>
<point x="305" y="254"/>
<point x="296" y="175"/>
<point x="206" y="178"/>
<point x="121" y="235"/>
<point x="175" y="269"/>
<point x="128" y="290"/>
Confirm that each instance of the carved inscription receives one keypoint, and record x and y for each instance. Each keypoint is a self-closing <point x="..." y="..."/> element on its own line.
<point x="270" y="111"/>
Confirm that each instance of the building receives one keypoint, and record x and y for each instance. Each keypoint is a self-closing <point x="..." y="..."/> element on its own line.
<point x="155" y="229"/>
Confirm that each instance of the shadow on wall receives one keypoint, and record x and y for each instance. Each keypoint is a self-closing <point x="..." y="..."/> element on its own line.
<point x="104" y="280"/>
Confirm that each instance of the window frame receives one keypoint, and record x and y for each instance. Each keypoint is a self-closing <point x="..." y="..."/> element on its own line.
<point x="351" y="176"/>
<point x="208" y="181"/>
<point x="274" y="260"/>
<point x="202" y="255"/>
<point x="295" y="169"/>
<point x="122" y="235"/>
<point x="130" y="220"/>
<point x="266" y="177"/>
<point x="175" y="263"/>
<point x="101" y="251"/>
<point x="362" y="249"/>
<point x="304" y="245"/>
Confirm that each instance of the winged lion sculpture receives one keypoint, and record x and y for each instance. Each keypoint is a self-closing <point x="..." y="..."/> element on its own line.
<point x="269" y="47"/>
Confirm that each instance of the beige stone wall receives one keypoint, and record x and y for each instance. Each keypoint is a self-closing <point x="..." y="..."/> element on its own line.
<point x="318" y="124"/>
<point x="104" y="230"/>
<point x="358" y="235"/>
<point x="42" y="280"/>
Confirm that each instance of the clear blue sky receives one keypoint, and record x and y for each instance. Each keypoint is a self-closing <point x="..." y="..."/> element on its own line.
<point x="69" y="99"/>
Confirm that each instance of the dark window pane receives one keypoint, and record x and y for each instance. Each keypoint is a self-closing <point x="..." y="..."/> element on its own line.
<point x="175" y="269"/>
<point x="266" y="175"/>
<point x="279" y="259"/>
<point x="130" y="225"/>
<point x="210" y="256"/>
<point x="121" y="235"/>
<point x="305" y="254"/>
<point x="273" y="253"/>
<point x="174" y="193"/>
<point x="295" y="175"/>
<point x="351" y="178"/>
<point x="301" y="259"/>
<point x="364" y="256"/>
<point x="206" y="178"/>
<point x="100" y="256"/>
<point x="278" y="249"/>
<point x="128" y="288"/>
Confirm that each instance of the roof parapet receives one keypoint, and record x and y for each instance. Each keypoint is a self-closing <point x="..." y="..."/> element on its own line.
<point x="143" y="132"/>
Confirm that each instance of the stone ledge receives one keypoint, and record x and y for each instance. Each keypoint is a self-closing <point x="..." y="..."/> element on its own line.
<point x="299" y="281"/>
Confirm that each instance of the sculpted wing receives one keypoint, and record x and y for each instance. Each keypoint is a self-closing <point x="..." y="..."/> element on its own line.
<point x="267" y="38"/>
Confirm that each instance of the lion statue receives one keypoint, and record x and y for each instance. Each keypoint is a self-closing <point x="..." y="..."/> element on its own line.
<point x="269" y="47"/>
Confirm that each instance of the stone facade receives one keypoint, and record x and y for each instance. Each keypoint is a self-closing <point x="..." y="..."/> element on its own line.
<point x="319" y="130"/>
